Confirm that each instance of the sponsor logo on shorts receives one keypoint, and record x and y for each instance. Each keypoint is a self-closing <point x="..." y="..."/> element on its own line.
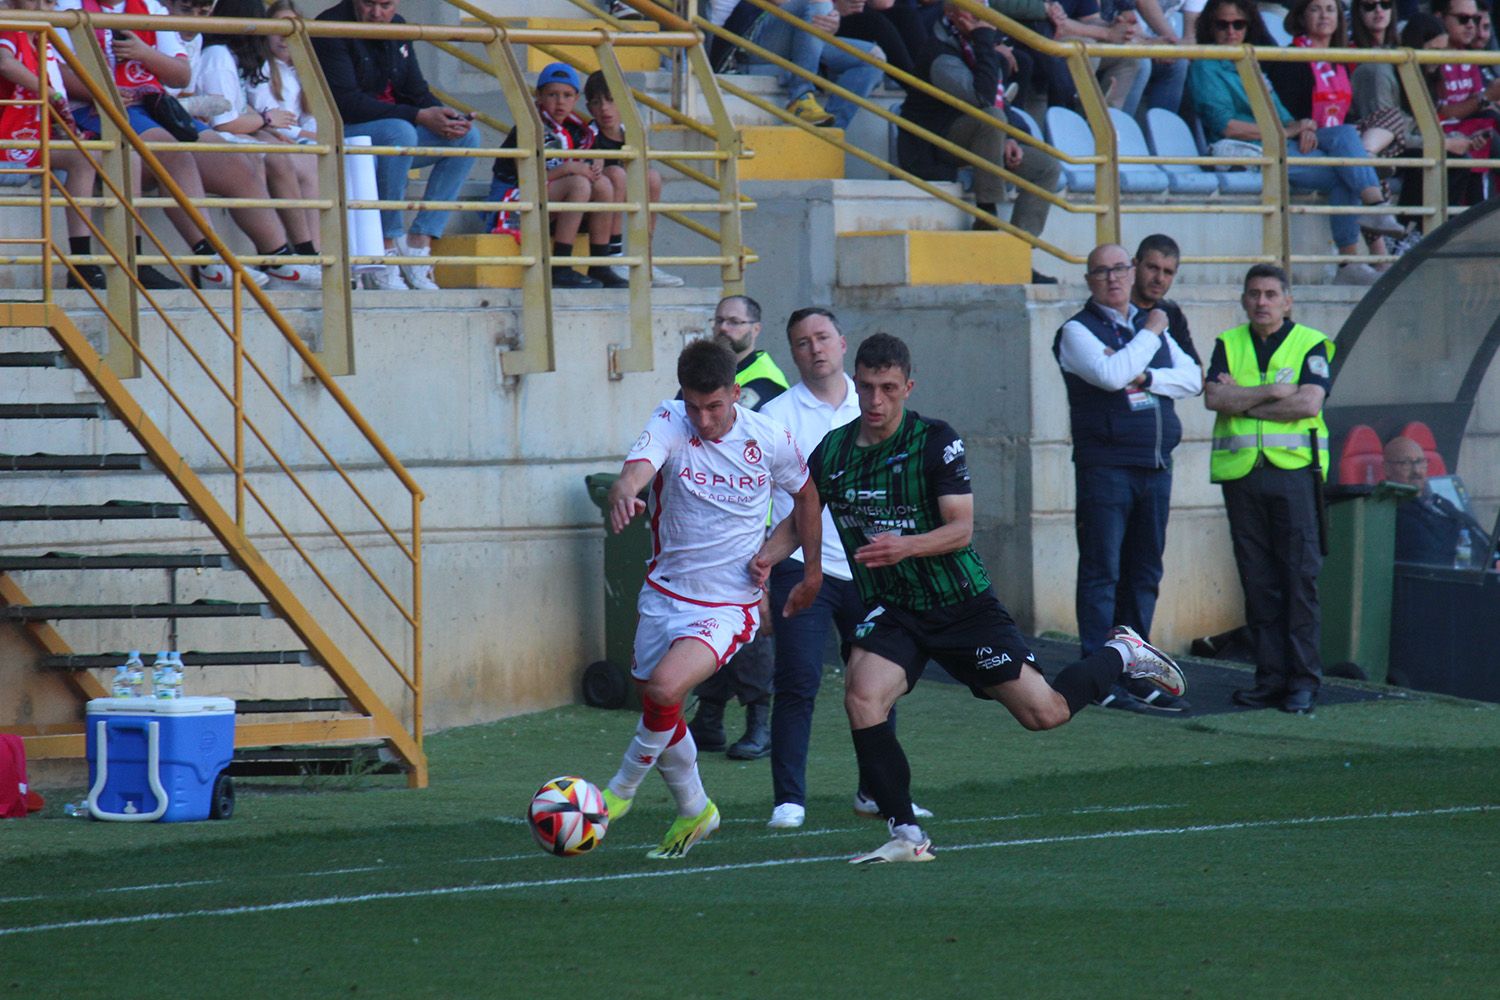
<point x="985" y="658"/>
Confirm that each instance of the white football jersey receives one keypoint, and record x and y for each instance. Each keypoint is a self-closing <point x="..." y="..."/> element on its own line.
<point x="710" y="499"/>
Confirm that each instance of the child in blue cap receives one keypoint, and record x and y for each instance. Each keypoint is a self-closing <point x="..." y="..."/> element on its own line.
<point x="568" y="180"/>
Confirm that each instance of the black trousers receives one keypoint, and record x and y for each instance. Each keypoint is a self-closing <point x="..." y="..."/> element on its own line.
<point x="1273" y="522"/>
<point x="749" y="675"/>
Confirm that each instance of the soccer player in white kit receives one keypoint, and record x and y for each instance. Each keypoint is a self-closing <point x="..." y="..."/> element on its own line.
<point x="711" y="465"/>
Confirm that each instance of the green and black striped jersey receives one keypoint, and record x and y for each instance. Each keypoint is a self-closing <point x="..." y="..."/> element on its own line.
<point x="895" y="486"/>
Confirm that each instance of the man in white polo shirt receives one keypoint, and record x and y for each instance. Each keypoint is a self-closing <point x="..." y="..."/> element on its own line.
<point x="711" y="465"/>
<point x="823" y="400"/>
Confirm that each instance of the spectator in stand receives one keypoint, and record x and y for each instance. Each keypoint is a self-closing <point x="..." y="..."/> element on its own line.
<point x="1082" y="19"/>
<point x="20" y="80"/>
<point x="807" y="51"/>
<point x="885" y="24"/>
<point x="961" y="57"/>
<point x="1044" y="79"/>
<point x="1465" y="103"/>
<point x="1321" y="91"/>
<point x="381" y="93"/>
<point x="281" y="99"/>
<point x="1163" y="83"/>
<point x="569" y="180"/>
<point x="609" y="133"/>
<point x="1428" y="526"/>
<point x="149" y="62"/>
<point x="1225" y="113"/>
<point x="229" y="67"/>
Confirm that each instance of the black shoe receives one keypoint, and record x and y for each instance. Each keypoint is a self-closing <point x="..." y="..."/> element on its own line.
<point x="566" y="277"/>
<point x="707" y="726"/>
<point x="1122" y="699"/>
<point x="1038" y="278"/>
<point x="92" y="275"/>
<point x="151" y="278"/>
<point x="607" y="277"/>
<point x="756" y="743"/>
<point x="1204" y="647"/>
<point x="1299" y="702"/>
<point x="1260" y="696"/>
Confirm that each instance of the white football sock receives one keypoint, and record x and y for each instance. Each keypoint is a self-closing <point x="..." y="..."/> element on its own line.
<point x="909" y="832"/>
<point x="679" y="766"/>
<point x="645" y="750"/>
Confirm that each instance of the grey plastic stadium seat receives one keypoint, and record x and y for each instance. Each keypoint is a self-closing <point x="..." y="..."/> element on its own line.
<point x="1036" y="131"/>
<point x="1230" y="182"/>
<point x="1276" y="28"/>
<point x="1135" y="178"/>
<point x="1070" y="133"/>
<point x="1170" y="136"/>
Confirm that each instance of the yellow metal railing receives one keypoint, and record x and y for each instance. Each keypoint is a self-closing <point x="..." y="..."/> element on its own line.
<point x="1274" y="205"/>
<point x="207" y="388"/>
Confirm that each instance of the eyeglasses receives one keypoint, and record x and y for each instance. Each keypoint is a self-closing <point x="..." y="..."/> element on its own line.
<point x="1236" y="25"/>
<point x="731" y="321"/>
<point x="1105" y="273"/>
<point x="1407" y="463"/>
<point x="1465" y="18"/>
<point x="1369" y="6"/>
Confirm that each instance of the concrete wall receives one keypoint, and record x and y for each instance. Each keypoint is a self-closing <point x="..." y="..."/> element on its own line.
<point x="513" y="547"/>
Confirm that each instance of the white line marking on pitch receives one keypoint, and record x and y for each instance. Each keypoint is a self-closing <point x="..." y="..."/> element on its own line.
<point x="463" y="890"/>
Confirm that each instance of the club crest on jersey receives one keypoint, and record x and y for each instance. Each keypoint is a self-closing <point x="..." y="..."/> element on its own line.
<point x="752" y="452"/>
<point x="641" y="442"/>
<point x="136" y="72"/>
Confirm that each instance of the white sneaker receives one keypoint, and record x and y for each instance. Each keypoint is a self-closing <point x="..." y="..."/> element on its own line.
<point x="787" y="816"/>
<point x="1356" y="274"/>
<point x="898" y="848"/>
<point x="866" y="807"/>
<point x="1145" y="662"/>
<point x="222" y="276"/>
<point x="418" y="276"/>
<point x="385" y="279"/>
<point x="664" y="279"/>
<point x="620" y="271"/>
<point x="296" y="275"/>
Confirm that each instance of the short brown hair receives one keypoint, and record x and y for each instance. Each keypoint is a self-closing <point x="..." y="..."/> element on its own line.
<point x="705" y="366"/>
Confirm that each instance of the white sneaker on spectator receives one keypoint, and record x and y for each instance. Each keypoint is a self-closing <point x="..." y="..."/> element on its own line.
<point x="222" y="276"/>
<point x="866" y="807"/>
<point x="621" y="271"/>
<point x="787" y="816"/>
<point x="664" y="279"/>
<point x="387" y="278"/>
<point x="1356" y="274"/>
<point x="418" y="276"/>
<point x="1381" y="223"/>
<point x="295" y="275"/>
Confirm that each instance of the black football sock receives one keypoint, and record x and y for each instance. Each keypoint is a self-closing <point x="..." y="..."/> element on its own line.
<point x="598" y="249"/>
<point x="884" y="771"/>
<point x="1090" y="678"/>
<point x="306" y="249"/>
<point x="78" y="245"/>
<point x="203" y="248"/>
<point x="616" y="244"/>
<point x="562" y="250"/>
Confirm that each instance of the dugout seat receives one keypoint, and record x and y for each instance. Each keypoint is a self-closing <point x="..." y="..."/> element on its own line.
<point x="1422" y="435"/>
<point x="1361" y="462"/>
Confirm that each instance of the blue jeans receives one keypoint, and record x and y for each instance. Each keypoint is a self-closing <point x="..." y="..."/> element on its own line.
<point x="448" y="172"/>
<point x="1342" y="185"/>
<point x="799" y="671"/>
<point x="1121" y="526"/>
<point x="1159" y="85"/>
<point x="801" y="48"/>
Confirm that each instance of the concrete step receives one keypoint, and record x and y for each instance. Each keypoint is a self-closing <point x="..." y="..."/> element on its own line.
<point x="632" y="59"/>
<point x="881" y="205"/>
<point x="781" y="152"/>
<point x="924" y="257"/>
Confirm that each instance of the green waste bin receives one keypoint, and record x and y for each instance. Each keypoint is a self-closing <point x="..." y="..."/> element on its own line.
<point x="1357" y="581"/>
<point x="606" y="682"/>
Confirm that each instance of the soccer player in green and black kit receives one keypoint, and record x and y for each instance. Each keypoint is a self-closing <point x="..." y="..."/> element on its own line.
<point x="898" y="488"/>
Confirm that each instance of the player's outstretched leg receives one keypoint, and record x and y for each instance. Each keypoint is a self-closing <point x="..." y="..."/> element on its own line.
<point x="873" y="685"/>
<point x="659" y="723"/>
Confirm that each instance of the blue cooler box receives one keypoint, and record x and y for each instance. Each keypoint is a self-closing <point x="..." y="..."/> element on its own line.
<point x="159" y="759"/>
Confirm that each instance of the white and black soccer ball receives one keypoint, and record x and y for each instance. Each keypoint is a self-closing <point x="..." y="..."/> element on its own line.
<point x="568" y="816"/>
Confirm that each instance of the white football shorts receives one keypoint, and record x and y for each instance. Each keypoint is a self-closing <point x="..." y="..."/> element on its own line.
<point x="664" y="619"/>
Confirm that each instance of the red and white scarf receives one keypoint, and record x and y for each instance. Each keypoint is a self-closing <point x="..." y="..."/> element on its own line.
<point x="1332" y="94"/>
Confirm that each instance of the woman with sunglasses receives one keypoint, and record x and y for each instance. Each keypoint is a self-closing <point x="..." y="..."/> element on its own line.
<point x="1225" y="112"/>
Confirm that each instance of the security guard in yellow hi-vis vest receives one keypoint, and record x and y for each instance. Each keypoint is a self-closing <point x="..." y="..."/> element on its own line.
<point x="1267" y="382"/>
<point x="750" y="673"/>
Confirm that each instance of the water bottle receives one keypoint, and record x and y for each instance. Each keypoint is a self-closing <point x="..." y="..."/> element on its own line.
<point x="121" y="687"/>
<point x="1463" y="552"/>
<point x="78" y="810"/>
<point x="135" y="675"/>
<point x="166" y="679"/>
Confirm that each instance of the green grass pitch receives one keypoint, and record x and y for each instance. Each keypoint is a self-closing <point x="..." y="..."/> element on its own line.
<point x="1354" y="853"/>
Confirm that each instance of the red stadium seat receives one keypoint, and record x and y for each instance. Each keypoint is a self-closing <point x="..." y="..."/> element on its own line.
<point x="1361" y="462"/>
<point x="1422" y="435"/>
